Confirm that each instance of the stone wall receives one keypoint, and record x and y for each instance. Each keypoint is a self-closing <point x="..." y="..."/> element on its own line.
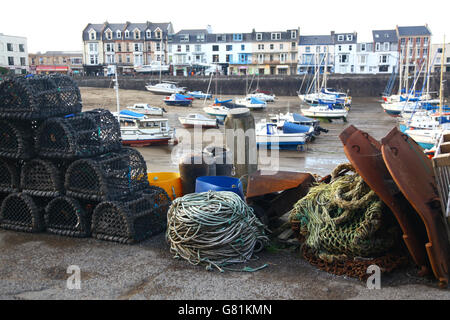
<point x="357" y="85"/>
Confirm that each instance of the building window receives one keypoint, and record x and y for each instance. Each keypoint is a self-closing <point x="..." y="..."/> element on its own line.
<point x="221" y="38"/>
<point x="21" y="48"/>
<point x="109" y="47"/>
<point x="92" y="36"/>
<point x="271" y="58"/>
<point x="93" y="47"/>
<point x="215" y="48"/>
<point x="229" y="47"/>
<point x="93" y="59"/>
<point x="343" y="58"/>
<point x="384" y="68"/>
<point x="237" y="37"/>
<point x="281" y="46"/>
<point x="137" y="35"/>
<point x="138" y="47"/>
<point x="317" y="48"/>
<point x="259" y="36"/>
<point x="275" y="36"/>
<point x="242" y="47"/>
<point x="425" y="41"/>
<point x="228" y="58"/>
<point x="350" y="47"/>
<point x="349" y="37"/>
<point x="10" y="47"/>
<point x="119" y="47"/>
<point x="215" y="58"/>
<point x="260" y="47"/>
<point x="178" y="48"/>
<point x="293" y="57"/>
<point x="271" y="46"/>
<point x="363" y="47"/>
<point x="149" y="34"/>
<point x="108" y="35"/>
<point x="282" y="57"/>
<point x="158" y="34"/>
<point x="377" y="46"/>
<point x="386" y="46"/>
<point x="340" y="48"/>
<point x="184" y="38"/>
<point x="201" y="37"/>
<point x="187" y="48"/>
<point x="362" y="68"/>
<point x="127" y="34"/>
<point x="362" y="59"/>
<point x="198" y="48"/>
<point x="340" y="37"/>
<point x="383" y="59"/>
<point x="119" y="34"/>
<point x="11" y="61"/>
<point x="307" y="49"/>
<point x="260" y="58"/>
<point x="293" y="34"/>
<point x="425" y="52"/>
<point x="293" y="45"/>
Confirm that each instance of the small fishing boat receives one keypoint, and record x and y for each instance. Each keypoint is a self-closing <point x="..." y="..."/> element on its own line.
<point x="327" y="112"/>
<point x="199" y="95"/>
<point x="220" y="112"/>
<point x="139" y="131"/>
<point x="178" y="100"/>
<point x="198" y="120"/>
<point x="262" y="96"/>
<point x="290" y="137"/>
<point x="165" y="88"/>
<point x="252" y="103"/>
<point x="296" y="118"/>
<point x="147" y="109"/>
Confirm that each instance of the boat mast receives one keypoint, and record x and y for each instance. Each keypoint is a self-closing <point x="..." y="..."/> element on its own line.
<point x="116" y="88"/>
<point x="428" y="72"/>
<point x="325" y="71"/>
<point x="160" y="58"/>
<point x="441" y="91"/>
<point x="400" y="72"/>
<point x="407" y="71"/>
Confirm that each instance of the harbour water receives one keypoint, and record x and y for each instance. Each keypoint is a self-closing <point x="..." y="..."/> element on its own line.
<point x="321" y="157"/>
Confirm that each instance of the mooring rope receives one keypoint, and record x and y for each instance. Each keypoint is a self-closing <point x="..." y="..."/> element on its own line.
<point x="214" y="228"/>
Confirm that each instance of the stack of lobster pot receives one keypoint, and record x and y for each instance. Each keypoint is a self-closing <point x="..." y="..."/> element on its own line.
<point x="65" y="171"/>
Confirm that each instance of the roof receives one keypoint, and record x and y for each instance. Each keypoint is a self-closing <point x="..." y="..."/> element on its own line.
<point x="413" y="31"/>
<point x="193" y="31"/>
<point x="166" y="27"/>
<point x="384" y="36"/>
<point x="316" y="40"/>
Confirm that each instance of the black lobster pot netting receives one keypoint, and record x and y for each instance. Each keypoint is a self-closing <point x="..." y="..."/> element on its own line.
<point x="43" y="178"/>
<point x="20" y="212"/>
<point x="17" y="139"/>
<point x="68" y="217"/>
<point x="133" y="220"/>
<point x="9" y="176"/>
<point x="109" y="177"/>
<point x="85" y="134"/>
<point x="39" y="97"/>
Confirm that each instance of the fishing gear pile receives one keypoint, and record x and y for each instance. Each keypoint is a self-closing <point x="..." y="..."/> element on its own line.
<point x="214" y="228"/>
<point x="65" y="171"/>
<point x="343" y="226"/>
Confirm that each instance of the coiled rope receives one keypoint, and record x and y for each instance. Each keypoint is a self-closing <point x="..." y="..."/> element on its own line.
<point x="214" y="228"/>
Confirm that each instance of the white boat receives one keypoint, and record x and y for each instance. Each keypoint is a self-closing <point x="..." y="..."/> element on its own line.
<point x="262" y="96"/>
<point x="198" y="120"/>
<point x="427" y="139"/>
<point x="153" y="67"/>
<point x="220" y="112"/>
<point x="326" y="112"/>
<point x="269" y="136"/>
<point x="139" y="131"/>
<point x="251" y="103"/>
<point x="147" y="109"/>
<point x="199" y="95"/>
<point x="165" y="88"/>
<point x="296" y="118"/>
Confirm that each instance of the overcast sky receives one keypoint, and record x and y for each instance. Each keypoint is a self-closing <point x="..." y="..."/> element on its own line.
<point x="57" y="25"/>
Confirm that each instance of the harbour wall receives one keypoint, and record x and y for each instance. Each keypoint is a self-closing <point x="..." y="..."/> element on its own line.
<point x="357" y="85"/>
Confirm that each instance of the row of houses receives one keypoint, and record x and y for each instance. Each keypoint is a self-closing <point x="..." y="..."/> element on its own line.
<point x="285" y="52"/>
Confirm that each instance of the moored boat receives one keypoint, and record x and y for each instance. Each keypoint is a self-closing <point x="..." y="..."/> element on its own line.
<point x="177" y="100"/>
<point x="147" y="109"/>
<point x="198" y="120"/>
<point x="290" y="137"/>
<point x="251" y="103"/>
<point x="165" y="88"/>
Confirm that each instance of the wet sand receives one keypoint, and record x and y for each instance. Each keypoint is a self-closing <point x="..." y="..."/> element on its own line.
<point x="321" y="156"/>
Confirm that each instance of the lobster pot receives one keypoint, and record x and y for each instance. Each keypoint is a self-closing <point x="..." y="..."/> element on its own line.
<point x="107" y="177"/>
<point x="9" y="177"/>
<point x="20" y="212"/>
<point x="39" y="97"/>
<point x="132" y="220"/>
<point x="68" y="217"/>
<point x="17" y="139"/>
<point x="42" y="178"/>
<point x="85" y="134"/>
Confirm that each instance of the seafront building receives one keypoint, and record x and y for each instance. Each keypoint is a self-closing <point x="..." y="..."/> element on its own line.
<point x="14" y="53"/>
<point x="436" y="56"/>
<point x="200" y="51"/>
<point x="128" y="45"/>
<point x="65" y="62"/>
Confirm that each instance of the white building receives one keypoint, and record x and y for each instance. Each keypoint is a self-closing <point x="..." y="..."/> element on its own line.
<point x="344" y="52"/>
<point x="312" y="51"/>
<point x="436" y="55"/>
<point x="14" y="53"/>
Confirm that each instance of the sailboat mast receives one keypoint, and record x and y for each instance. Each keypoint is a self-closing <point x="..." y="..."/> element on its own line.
<point x="428" y="72"/>
<point x="116" y="87"/>
<point x="400" y="72"/>
<point x="326" y="70"/>
<point x="160" y="59"/>
<point x="441" y="91"/>
<point x="407" y="71"/>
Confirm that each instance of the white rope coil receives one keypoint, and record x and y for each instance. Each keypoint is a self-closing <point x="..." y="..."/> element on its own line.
<point x="215" y="228"/>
